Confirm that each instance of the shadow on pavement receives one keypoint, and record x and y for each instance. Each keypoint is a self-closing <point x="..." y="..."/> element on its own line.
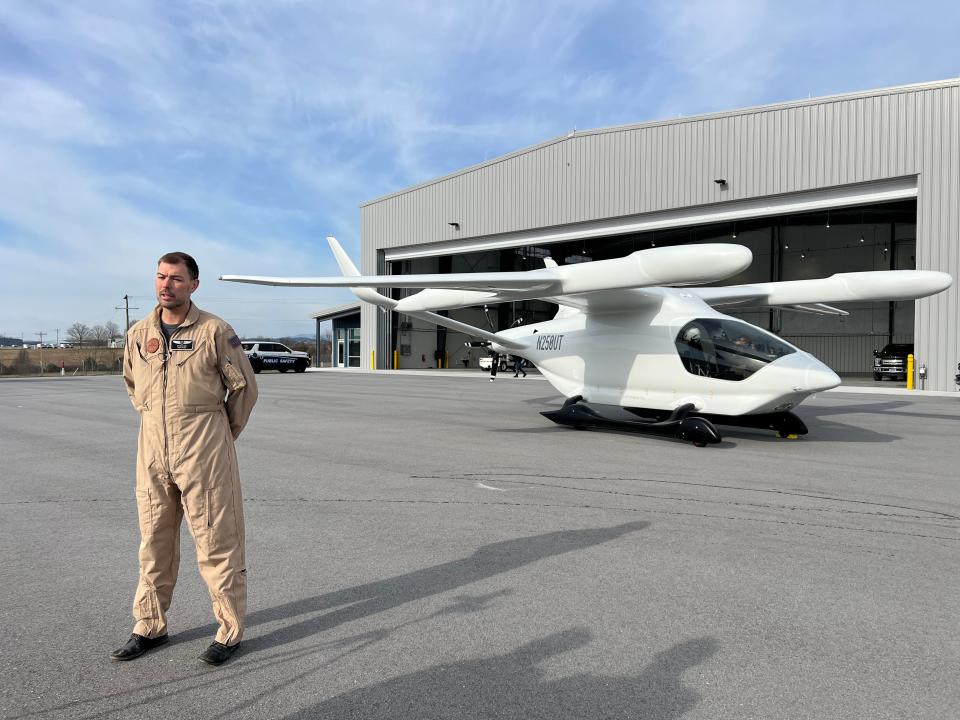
<point x="334" y="608"/>
<point x="514" y="686"/>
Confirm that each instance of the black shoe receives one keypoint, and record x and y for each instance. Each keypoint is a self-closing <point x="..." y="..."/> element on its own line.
<point x="218" y="653"/>
<point x="137" y="645"/>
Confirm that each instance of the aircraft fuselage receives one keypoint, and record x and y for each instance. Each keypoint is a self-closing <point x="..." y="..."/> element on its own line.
<point x="639" y="357"/>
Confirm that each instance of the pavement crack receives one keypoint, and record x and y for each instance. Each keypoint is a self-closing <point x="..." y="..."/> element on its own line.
<point x="501" y="477"/>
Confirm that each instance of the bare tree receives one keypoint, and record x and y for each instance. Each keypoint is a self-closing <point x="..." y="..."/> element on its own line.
<point x="113" y="331"/>
<point x="78" y="333"/>
<point x="99" y="335"/>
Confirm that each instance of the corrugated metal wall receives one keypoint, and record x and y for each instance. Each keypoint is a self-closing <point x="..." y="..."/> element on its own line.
<point x="851" y="354"/>
<point x="774" y="150"/>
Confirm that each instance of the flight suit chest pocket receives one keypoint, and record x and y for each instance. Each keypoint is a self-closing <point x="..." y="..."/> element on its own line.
<point x="199" y="385"/>
<point x="147" y="376"/>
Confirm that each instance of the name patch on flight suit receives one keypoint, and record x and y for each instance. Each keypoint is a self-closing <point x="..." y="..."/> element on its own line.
<point x="181" y="344"/>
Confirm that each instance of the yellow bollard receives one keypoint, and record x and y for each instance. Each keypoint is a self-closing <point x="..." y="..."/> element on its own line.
<point x="910" y="371"/>
<point x="446" y="360"/>
<point x="373" y="359"/>
<point x="396" y="359"/>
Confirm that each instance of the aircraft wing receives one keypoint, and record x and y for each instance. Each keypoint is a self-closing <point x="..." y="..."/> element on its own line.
<point x="812" y="295"/>
<point x="491" y="282"/>
<point x="680" y="265"/>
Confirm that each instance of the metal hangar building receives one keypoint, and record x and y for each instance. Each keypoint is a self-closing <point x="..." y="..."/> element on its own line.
<point x="846" y="183"/>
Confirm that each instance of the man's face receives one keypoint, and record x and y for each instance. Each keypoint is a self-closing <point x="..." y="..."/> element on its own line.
<point x="174" y="286"/>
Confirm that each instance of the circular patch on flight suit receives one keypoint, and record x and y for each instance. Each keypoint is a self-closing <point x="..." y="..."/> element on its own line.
<point x="153" y="345"/>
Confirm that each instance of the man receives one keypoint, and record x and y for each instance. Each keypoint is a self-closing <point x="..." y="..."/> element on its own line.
<point x="193" y="386"/>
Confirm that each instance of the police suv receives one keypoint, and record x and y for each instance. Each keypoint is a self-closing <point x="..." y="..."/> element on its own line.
<point x="265" y="355"/>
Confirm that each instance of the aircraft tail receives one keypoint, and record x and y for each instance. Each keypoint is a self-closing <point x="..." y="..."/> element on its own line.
<point x="371" y="296"/>
<point x="350" y="270"/>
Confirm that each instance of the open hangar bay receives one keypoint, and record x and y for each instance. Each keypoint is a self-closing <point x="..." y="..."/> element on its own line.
<point x="441" y="550"/>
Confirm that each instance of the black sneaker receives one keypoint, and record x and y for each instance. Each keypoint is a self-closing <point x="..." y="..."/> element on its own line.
<point x="137" y="645"/>
<point x="218" y="653"/>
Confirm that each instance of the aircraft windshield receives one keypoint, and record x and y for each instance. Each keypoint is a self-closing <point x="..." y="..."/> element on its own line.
<point x="727" y="349"/>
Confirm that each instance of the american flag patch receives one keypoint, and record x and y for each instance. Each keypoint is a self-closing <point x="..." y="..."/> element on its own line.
<point x="234" y="341"/>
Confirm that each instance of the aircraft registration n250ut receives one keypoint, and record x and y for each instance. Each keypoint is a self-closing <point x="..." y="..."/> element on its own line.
<point x="636" y="345"/>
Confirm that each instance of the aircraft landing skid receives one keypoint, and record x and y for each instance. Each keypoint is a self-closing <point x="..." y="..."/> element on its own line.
<point x="684" y="423"/>
<point x="678" y="424"/>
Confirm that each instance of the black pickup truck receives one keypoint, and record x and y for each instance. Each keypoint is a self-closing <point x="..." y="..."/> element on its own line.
<point x="891" y="361"/>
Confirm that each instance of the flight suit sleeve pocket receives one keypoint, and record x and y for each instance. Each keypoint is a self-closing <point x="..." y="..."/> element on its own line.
<point x="235" y="379"/>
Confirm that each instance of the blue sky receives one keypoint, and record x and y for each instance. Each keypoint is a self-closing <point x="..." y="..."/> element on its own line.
<point x="244" y="132"/>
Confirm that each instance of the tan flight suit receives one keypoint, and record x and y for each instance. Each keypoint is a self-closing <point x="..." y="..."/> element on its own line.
<point x="186" y="463"/>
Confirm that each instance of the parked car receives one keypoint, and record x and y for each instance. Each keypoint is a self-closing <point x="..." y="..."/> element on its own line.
<point x="486" y="363"/>
<point x="274" y="356"/>
<point x="891" y="361"/>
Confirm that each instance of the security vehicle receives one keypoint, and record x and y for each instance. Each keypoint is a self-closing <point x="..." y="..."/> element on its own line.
<point x="891" y="362"/>
<point x="265" y="355"/>
<point x="639" y="342"/>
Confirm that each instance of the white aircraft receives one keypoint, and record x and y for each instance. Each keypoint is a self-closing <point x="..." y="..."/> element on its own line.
<point x="635" y="345"/>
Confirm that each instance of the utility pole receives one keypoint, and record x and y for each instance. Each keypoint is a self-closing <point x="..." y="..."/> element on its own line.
<point x="126" y="307"/>
<point x="40" y="335"/>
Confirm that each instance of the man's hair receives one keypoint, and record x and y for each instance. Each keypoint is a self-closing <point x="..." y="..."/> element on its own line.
<point x="181" y="258"/>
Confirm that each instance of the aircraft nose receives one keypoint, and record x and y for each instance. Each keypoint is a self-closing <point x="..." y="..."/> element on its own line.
<point x="820" y="377"/>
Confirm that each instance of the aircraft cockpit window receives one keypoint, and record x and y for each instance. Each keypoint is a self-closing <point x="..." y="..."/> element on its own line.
<point x="727" y="349"/>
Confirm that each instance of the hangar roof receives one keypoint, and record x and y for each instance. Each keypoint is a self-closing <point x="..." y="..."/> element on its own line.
<point x="337" y="311"/>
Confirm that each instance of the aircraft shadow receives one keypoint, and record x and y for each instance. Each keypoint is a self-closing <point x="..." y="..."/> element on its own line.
<point x="820" y="432"/>
<point x="891" y="407"/>
<point x="514" y="685"/>
<point x="824" y="431"/>
<point x="328" y="610"/>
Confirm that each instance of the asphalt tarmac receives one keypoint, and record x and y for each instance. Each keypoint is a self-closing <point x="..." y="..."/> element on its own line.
<point x="429" y="546"/>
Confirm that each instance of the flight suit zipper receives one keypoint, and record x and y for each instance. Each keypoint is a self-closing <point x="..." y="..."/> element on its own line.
<point x="163" y="407"/>
<point x="167" y="357"/>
